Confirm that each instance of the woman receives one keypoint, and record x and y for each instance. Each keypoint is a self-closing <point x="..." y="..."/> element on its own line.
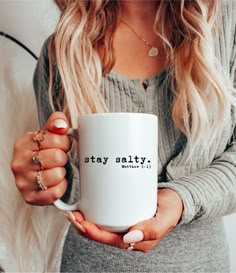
<point x="175" y="59"/>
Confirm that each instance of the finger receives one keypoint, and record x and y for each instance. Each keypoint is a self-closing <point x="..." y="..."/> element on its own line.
<point x="57" y="123"/>
<point x="93" y="232"/>
<point x="49" y="158"/>
<point x="144" y="236"/>
<point x="143" y="231"/>
<point x="50" y="178"/>
<point x="97" y="234"/>
<point x="21" y="158"/>
<point x="71" y="217"/>
<point x="50" y="141"/>
<point x="45" y="197"/>
<point x="26" y="144"/>
<point x="145" y="246"/>
<point x="153" y="229"/>
<point x="78" y="216"/>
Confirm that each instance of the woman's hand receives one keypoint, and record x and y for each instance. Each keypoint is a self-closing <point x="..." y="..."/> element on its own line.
<point x="146" y="235"/>
<point x="52" y="156"/>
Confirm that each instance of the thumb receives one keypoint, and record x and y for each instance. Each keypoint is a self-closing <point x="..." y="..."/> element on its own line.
<point x="143" y="231"/>
<point x="57" y="123"/>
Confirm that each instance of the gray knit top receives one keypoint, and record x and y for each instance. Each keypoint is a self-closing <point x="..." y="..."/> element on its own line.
<point x="206" y="184"/>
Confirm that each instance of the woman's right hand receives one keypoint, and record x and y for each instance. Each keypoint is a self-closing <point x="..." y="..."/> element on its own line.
<point x="53" y="158"/>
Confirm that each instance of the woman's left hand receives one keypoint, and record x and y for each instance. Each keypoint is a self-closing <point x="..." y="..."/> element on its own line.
<point x="143" y="236"/>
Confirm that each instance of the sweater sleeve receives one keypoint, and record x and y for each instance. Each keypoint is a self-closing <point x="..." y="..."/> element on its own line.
<point x="211" y="192"/>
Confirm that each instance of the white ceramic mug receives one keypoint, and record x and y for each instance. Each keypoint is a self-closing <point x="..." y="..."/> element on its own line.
<point x="117" y="155"/>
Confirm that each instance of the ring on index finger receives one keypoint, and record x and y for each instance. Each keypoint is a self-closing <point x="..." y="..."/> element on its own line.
<point x="39" y="136"/>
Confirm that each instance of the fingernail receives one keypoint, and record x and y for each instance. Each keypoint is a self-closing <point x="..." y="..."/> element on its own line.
<point x="60" y="123"/>
<point x="133" y="236"/>
<point x="79" y="227"/>
<point x="70" y="217"/>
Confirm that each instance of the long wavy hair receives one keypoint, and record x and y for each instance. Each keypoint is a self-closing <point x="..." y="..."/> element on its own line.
<point x="201" y="97"/>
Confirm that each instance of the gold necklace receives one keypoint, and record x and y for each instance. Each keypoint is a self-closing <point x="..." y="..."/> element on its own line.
<point x="153" y="50"/>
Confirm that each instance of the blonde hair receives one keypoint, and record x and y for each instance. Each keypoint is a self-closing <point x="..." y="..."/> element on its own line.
<point x="200" y="91"/>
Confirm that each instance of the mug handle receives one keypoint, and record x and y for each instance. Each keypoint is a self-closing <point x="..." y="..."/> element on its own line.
<point x="59" y="203"/>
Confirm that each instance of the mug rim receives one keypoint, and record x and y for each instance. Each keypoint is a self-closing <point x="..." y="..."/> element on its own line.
<point x="119" y="114"/>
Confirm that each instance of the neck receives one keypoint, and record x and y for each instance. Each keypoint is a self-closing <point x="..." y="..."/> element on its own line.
<point x="137" y="12"/>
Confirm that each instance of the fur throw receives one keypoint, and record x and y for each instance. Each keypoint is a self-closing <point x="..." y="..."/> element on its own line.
<point x="31" y="237"/>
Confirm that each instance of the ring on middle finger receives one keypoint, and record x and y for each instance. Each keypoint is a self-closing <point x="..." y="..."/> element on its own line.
<point x="36" y="160"/>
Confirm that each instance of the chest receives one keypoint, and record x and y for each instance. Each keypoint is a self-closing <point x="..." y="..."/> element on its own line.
<point x="133" y="59"/>
<point x="124" y="95"/>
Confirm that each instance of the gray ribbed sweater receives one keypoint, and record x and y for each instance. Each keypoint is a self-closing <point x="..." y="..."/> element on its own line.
<point x="206" y="184"/>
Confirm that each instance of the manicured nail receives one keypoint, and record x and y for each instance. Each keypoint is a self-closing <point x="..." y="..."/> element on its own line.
<point x="133" y="236"/>
<point x="60" y="124"/>
<point x="70" y="217"/>
<point x="79" y="227"/>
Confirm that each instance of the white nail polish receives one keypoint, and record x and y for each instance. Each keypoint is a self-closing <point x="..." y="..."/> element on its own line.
<point x="133" y="236"/>
<point x="70" y="217"/>
<point x="60" y="123"/>
<point x="79" y="227"/>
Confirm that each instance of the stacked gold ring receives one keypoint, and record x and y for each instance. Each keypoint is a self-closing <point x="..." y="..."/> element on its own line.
<point x="39" y="136"/>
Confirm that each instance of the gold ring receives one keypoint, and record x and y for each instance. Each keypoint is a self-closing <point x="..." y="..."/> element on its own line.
<point x="131" y="246"/>
<point x="36" y="160"/>
<point x="39" y="136"/>
<point x="40" y="181"/>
